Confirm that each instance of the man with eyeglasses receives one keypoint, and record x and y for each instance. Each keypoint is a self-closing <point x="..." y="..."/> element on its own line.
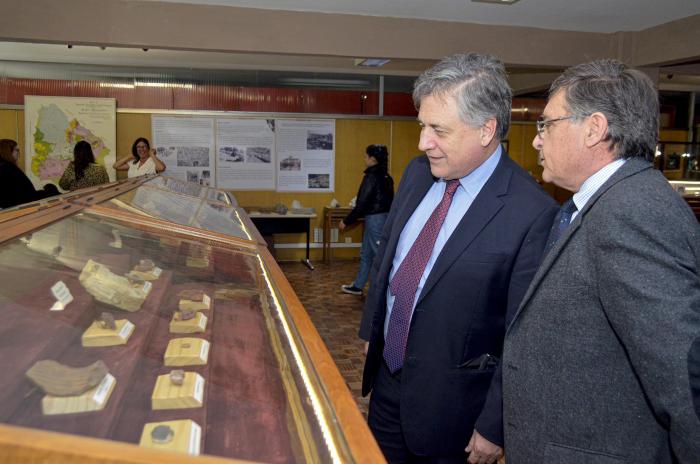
<point x="463" y="239"/>
<point x="596" y="360"/>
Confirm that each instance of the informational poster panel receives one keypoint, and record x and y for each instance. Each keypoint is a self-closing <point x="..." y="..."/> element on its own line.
<point x="305" y="155"/>
<point x="287" y="155"/>
<point x="53" y="125"/>
<point x="186" y="146"/>
<point x="245" y="154"/>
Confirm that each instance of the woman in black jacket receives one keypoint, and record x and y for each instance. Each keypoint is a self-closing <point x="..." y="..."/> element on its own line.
<point x="15" y="186"/>
<point x="373" y="202"/>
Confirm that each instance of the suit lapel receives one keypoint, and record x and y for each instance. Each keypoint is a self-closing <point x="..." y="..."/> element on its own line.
<point x="630" y="168"/>
<point x="484" y="207"/>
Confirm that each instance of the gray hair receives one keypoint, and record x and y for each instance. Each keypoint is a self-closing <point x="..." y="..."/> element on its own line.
<point x="479" y="84"/>
<point x="626" y="97"/>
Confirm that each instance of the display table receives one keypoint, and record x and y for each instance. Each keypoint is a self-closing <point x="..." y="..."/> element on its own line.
<point x="332" y="216"/>
<point x="274" y="223"/>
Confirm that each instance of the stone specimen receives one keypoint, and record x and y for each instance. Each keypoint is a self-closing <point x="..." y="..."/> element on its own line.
<point x="106" y="321"/>
<point x="162" y="434"/>
<point x="177" y="376"/>
<point x="185" y="315"/>
<point x="113" y="289"/>
<point x="144" y="270"/>
<point x="57" y="379"/>
<point x="145" y="265"/>
<point x="191" y="294"/>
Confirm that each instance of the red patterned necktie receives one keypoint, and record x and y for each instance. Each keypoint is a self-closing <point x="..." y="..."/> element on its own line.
<point x="405" y="281"/>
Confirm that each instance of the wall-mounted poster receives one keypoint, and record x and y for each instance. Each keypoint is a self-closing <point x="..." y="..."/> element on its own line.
<point x="305" y="155"/>
<point x="245" y="154"/>
<point x="186" y="146"/>
<point x="53" y="125"/>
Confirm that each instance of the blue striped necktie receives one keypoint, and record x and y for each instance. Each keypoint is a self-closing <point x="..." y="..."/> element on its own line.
<point x="561" y="222"/>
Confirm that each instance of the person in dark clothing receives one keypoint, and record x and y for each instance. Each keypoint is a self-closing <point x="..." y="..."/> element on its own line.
<point x="373" y="202"/>
<point x="15" y="186"/>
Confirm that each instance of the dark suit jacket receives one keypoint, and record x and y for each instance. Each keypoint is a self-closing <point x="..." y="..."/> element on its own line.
<point x="595" y="362"/>
<point x="472" y="291"/>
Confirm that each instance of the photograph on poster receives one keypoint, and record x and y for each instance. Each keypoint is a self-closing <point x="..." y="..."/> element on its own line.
<point x="258" y="155"/>
<point x="193" y="156"/>
<point x="319" y="181"/>
<point x="205" y="179"/>
<point x="193" y="176"/>
<point x="290" y="163"/>
<point x="231" y="155"/>
<point x="317" y="141"/>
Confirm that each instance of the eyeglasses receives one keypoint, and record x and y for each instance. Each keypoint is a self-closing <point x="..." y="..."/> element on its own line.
<point x="543" y="123"/>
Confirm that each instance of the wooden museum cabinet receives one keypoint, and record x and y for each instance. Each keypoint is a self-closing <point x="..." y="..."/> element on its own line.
<point x="261" y="386"/>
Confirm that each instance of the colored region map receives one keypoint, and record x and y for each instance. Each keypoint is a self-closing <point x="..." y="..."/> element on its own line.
<point x="56" y="124"/>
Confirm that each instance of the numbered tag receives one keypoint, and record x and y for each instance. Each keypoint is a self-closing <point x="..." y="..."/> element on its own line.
<point x="62" y="294"/>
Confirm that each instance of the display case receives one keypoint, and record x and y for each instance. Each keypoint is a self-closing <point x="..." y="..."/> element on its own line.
<point x="678" y="160"/>
<point x="690" y="191"/>
<point x="147" y="339"/>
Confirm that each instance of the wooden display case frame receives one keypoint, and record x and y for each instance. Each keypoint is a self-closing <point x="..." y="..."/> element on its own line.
<point x="344" y="428"/>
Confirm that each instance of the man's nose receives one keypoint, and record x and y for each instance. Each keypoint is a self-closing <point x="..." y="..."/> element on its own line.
<point x="426" y="141"/>
<point x="537" y="142"/>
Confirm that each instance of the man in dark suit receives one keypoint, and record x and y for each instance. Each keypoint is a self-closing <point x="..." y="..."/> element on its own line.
<point x="462" y="241"/>
<point x="595" y="362"/>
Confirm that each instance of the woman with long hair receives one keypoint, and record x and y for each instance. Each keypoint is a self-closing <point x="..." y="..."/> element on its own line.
<point x="15" y="186"/>
<point x="143" y="160"/>
<point x="83" y="171"/>
<point x="373" y="203"/>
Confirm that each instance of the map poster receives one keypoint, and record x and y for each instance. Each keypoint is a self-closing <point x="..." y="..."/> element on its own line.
<point x="305" y="155"/>
<point x="53" y="125"/>
<point x="186" y="146"/>
<point x="245" y="150"/>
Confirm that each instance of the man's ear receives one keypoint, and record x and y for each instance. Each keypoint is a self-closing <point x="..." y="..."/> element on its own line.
<point x="488" y="132"/>
<point x="596" y="129"/>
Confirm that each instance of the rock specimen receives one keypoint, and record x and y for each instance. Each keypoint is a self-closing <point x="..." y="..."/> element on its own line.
<point x="57" y="379"/>
<point x="191" y="294"/>
<point x="177" y="376"/>
<point x="162" y="434"/>
<point x="106" y="321"/>
<point x="113" y="289"/>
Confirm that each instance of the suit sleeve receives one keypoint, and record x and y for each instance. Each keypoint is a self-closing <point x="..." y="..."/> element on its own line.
<point x="490" y="421"/>
<point x="646" y="258"/>
<point x="363" y="201"/>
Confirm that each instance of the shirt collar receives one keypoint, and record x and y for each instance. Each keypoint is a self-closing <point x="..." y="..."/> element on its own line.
<point x="591" y="185"/>
<point x="473" y="182"/>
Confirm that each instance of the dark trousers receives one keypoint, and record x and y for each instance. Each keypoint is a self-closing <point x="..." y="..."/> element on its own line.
<point x="384" y="420"/>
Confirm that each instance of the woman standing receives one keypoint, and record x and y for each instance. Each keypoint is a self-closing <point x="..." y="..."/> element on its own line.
<point x="15" y="186"/>
<point x="83" y="171"/>
<point x="373" y="202"/>
<point x="143" y="160"/>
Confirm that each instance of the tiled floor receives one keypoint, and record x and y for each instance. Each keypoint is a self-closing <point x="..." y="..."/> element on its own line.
<point x="335" y="314"/>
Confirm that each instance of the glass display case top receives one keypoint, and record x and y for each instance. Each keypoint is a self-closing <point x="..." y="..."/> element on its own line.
<point x="192" y="189"/>
<point x="181" y="209"/>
